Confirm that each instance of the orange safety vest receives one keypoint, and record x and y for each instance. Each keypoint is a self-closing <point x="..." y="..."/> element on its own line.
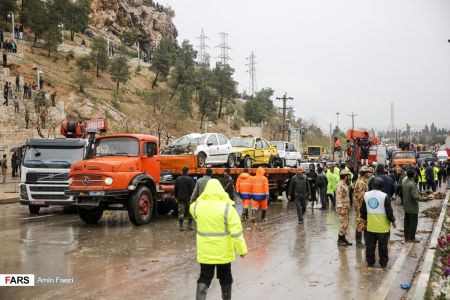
<point x="260" y="189"/>
<point x="244" y="185"/>
<point x="337" y="144"/>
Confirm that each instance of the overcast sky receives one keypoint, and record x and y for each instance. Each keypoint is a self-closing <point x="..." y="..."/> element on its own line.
<point x="337" y="56"/>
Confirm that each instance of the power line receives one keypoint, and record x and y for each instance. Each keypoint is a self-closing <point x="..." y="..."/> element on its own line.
<point x="284" y="109"/>
<point x="224" y="47"/>
<point x="252" y="72"/>
<point x="203" y="56"/>
<point x="337" y="119"/>
<point x="353" y="115"/>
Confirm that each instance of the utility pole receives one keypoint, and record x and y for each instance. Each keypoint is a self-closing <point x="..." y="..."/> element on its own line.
<point x="337" y="119"/>
<point x="252" y="72"/>
<point x="224" y="47"/>
<point x="353" y="115"/>
<point x="203" y="57"/>
<point x="284" y="110"/>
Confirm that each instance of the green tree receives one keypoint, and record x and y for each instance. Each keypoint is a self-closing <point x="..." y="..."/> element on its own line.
<point x="82" y="78"/>
<point x="163" y="58"/>
<point x="260" y="107"/>
<point x="77" y="16"/>
<point x="183" y="72"/>
<point x="6" y="6"/>
<point x="35" y="16"/>
<point x="99" y="54"/>
<point x="208" y="98"/>
<point x="119" y="70"/>
<point x="130" y="37"/>
<point x="224" y="84"/>
<point x="52" y="37"/>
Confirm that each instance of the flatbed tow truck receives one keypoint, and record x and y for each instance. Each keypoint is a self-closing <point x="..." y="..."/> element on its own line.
<point x="126" y="172"/>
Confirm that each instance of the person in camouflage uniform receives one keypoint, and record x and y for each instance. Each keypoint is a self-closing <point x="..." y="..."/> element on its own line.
<point x="369" y="175"/>
<point x="343" y="206"/>
<point x="358" y="197"/>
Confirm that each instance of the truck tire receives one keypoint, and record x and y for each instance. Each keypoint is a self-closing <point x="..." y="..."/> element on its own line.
<point x="34" y="209"/>
<point x="271" y="162"/>
<point x="90" y="215"/>
<point x="231" y="161"/>
<point x="140" y="206"/>
<point x="201" y="160"/>
<point x="247" y="162"/>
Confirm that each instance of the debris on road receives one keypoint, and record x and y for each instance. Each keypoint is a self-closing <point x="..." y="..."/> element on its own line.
<point x="432" y="212"/>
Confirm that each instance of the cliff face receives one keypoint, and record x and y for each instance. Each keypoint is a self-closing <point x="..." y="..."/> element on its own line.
<point x="119" y="16"/>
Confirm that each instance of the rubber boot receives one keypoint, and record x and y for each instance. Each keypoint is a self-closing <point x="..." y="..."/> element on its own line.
<point x="347" y="243"/>
<point x="201" y="291"/>
<point x="263" y="215"/>
<point x="341" y="241"/>
<point x="181" y="225"/>
<point x="245" y="214"/>
<point x="190" y="228"/>
<point x="358" y="238"/>
<point x="226" y="292"/>
<point x="253" y="218"/>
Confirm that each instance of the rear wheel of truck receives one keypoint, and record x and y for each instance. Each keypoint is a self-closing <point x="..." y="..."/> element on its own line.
<point x="34" y="209"/>
<point x="90" y="215"/>
<point x="201" y="160"/>
<point x="140" y="206"/>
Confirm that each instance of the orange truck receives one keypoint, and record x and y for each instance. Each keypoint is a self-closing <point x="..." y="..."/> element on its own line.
<point x="354" y="136"/>
<point x="124" y="171"/>
<point x="401" y="158"/>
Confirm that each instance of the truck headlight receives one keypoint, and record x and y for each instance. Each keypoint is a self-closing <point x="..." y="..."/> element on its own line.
<point x="70" y="180"/>
<point x="109" y="181"/>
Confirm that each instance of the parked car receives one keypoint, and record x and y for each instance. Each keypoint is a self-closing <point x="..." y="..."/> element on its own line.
<point x="210" y="148"/>
<point x="289" y="155"/>
<point x="251" y="151"/>
<point x="425" y="156"/>
<point x="442" y="156"/>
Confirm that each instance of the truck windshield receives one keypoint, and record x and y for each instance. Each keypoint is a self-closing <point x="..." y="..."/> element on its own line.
<point x="399" y="155"/>
<point x="314" y="151"/>
<point x="242" y="142"/>
<point x="51" y="157"/>
<point x="116" y="146"/>
<point x="280" y="145"/>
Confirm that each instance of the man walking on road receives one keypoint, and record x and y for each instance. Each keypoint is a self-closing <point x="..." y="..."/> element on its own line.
<point x="343" y="206"/>
<point x="388" y="182"/>
<point x="216" y="245"/>
<point x="3" y="164"/>
<point x="201" y="184"/>
<point x="300" y="192"/>
<point x="260" y="194"/>
<point x="377" y="210"/>
<point x="429" y="176"/>
<point x="184" y="186"/>
<point x="312" y="177"/>
<point x="358" y="197"/>
<point x="411" y="198"/>
<point x="244" y="185"/>
<point x="322" y="185"/>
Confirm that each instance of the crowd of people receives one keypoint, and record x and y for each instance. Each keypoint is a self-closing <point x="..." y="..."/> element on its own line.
<point x="337" y="187"/>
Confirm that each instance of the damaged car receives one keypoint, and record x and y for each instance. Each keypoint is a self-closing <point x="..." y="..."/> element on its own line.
<point x="210" y="149"/>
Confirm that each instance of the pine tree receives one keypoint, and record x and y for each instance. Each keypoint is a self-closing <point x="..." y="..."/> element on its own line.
<point x="99" y="54"/>
<point x="163" y="58"/>
<point x="119" y="70"/>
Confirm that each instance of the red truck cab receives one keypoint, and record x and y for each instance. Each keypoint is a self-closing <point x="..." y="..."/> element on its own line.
<point x="122" y="172"/>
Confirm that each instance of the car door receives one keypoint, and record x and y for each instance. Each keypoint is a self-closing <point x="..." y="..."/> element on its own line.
<point x="267" y="151"/>
<point x="224" y="147"/>
<point x="259" y="152"/>
<point x="213" y="149"/>
<point x="294" y="155"/>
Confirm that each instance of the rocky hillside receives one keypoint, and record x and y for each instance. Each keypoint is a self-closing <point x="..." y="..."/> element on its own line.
<point x="121" y="16"/>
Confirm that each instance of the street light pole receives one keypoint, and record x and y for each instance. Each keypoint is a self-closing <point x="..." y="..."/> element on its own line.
<point x="138" y="54"/>
<point x="11" y="15"/>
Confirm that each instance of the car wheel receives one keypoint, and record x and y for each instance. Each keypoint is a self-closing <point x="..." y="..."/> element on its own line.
<point x="282" y="163"/>
<point x="297" y="164"/>
<point x="34" y="209"/>
<point x="90" y="215"/>
<point x="231" y="162"/>
<point x="271" y="162"/>
<point x="140" y="206"/>
<point x="201" y="160"/>
<point x="247" y="162"/>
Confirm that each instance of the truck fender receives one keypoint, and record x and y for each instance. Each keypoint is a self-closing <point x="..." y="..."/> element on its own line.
<point x="144" y="179"/>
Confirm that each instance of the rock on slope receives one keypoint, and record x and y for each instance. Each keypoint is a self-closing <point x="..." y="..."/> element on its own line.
<point x="119" y="16"/>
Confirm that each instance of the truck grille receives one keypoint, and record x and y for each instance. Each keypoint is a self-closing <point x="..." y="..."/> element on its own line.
<point x="46" y="177"/>
<point x="48" y="188"/>
<point x="49" y="197"/>
<point x="87" y="180"/>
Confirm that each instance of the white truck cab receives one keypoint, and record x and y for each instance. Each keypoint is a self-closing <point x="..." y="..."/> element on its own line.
<point x="289" y="155"/>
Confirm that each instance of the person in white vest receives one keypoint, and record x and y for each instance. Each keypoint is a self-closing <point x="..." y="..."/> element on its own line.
<point x="377" y="210"/>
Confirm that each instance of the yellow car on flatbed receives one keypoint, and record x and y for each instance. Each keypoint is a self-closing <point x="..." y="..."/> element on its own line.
<point x="254" y="151"/>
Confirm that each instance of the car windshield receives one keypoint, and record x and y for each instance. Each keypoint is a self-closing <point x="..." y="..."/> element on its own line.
<point x="314" y="151"/>
<point x="117" y="146"/>
<point x="242" y="142"/>
<point x="52" y="157"/>
<point x="189" y="140"/>
<point x="280" y="145"/>
<point x="403" y="155"/>
<point x="425" y="155"/>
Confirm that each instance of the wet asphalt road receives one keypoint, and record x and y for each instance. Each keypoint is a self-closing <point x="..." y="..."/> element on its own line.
<point x="116" y="260"/>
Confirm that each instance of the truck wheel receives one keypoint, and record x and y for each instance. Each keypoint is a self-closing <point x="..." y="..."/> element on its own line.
<point x="140" y="206"/>
<point x="231" y="162"/>
<point x="90" y="215"/>
<point x="201" y="160"/>
<point x="34" y="209"/>
<point x="271" y="162"/>
<point x="247" y="162"/>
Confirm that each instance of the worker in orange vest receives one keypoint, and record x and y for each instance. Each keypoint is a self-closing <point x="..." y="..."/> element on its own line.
<point x="260" y="194"/>
<point x="244" y="190"/>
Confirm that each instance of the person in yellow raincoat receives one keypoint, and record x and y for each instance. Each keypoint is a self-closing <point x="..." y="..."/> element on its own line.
<point x="219" y="236"/>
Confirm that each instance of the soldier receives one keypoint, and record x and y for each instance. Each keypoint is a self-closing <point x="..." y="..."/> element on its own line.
<point x="184" y="186"/>
<point x="358" y="196"/>
<point x="343" y="206"/>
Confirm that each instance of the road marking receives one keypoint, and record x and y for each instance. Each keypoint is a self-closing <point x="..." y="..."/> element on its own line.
<point x="29" y="218"/>
<point x="388" y="280"/>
